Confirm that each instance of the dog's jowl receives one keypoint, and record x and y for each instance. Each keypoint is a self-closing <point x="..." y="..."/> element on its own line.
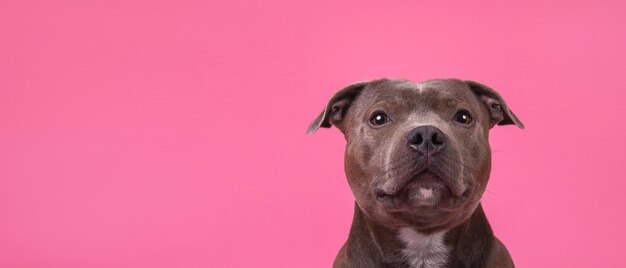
<point x="418" y="161"/>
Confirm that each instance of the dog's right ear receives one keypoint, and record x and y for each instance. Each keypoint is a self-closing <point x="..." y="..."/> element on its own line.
<point x="337" y="107"/>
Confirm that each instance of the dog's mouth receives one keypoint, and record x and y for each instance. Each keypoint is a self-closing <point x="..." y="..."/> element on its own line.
<point x="424" y="189"/>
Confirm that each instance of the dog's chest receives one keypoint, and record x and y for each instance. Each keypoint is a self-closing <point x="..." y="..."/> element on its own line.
<point x="423" y="250"/>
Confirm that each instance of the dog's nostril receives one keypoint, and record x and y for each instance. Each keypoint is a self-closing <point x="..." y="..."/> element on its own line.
<point x="418" y="140"/>
<point x="426" y="139"/>
<point x="437" y="139"/>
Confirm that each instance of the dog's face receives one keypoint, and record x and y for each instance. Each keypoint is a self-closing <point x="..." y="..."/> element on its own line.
<point x="417" y="154"/>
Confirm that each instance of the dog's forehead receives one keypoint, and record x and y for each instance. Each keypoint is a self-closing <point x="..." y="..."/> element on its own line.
<point x="404" y="91"/>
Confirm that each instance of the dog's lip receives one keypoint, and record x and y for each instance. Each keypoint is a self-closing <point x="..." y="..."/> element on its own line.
<point x="424" y="177"/>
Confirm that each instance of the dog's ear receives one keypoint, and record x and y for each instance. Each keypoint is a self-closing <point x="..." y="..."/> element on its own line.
<point x="498" y="110"/>
<point x="337" y="107"/>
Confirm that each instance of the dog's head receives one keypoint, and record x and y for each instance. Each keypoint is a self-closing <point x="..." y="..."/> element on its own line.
<point x="417" y="154"/>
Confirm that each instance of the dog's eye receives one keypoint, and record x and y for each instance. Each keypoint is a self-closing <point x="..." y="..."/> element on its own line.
<point x="379" y="118"/>
<point x="463" y="117"/>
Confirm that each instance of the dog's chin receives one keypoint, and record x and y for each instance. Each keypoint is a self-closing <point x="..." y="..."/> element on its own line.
<point x="424" y="192"/>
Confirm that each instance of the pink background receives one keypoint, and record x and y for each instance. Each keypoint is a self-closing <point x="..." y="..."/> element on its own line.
<point x="172" y="134"/>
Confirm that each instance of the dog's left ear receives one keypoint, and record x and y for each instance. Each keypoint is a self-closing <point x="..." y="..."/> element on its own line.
<point x="499" y="112"/>
<point x="337" y="107"/>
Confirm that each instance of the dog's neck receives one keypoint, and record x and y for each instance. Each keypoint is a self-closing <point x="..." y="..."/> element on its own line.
<point x="423" y="250"/>
<point x="372" y="245"/>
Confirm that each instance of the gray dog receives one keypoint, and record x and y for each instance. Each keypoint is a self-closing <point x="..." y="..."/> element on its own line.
<point x="418" y="161"/>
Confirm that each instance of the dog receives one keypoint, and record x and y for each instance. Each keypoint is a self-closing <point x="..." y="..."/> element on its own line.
<point x="417" y="160"/>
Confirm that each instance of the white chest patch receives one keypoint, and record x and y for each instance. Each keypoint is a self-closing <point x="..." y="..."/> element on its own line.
<point x="424" y="250"/>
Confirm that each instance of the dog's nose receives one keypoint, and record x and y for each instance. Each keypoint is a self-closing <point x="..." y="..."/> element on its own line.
<point x="426" y="140"/>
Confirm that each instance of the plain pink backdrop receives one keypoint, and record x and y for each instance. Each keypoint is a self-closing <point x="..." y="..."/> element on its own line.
<point x="172" y="133"/>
